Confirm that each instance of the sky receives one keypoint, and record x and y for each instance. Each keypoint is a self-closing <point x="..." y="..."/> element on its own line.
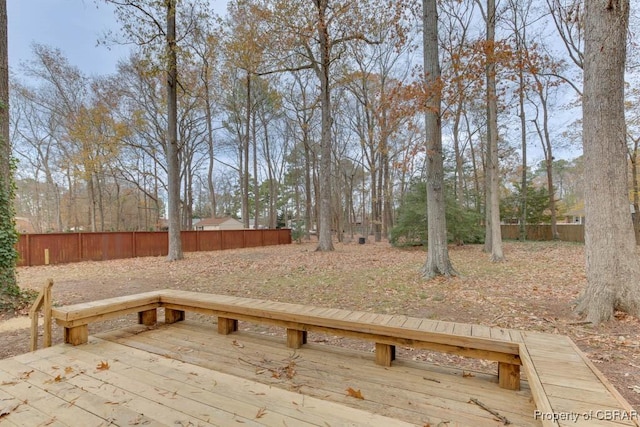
<point x="73" y="26"/>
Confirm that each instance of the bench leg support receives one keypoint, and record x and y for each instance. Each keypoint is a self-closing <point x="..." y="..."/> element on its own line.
<point x="509" y="376"/>
<point x="173" y="316"/>
<point x="385" y="354"/>
<point x="296" y="338"/>
<point x="76" y="335"/>
<point x="148" y="317"/>
<point x="227" y="326"/>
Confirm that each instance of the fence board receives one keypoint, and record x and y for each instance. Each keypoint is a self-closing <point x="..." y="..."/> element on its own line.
<point x="74" y="247"/>
<point x="567" y="232"/>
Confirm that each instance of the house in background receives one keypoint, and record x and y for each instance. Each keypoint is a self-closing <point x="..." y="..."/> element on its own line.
<point x="575" y="215"/>
<point x="226" y="223"/>
<point x="24" y="226"/>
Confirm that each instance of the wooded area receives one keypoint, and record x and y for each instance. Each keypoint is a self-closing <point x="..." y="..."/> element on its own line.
<point x="319" y="116"/>
<point x="92" y="149"/>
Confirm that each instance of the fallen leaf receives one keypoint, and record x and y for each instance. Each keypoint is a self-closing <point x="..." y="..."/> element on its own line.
<point x="261" y="412"/>
<point x="102" y="366"/>
<point x="237" y="344"/>
<point x="135" y="421"/>
<point x="57" y="379"/>
<point x="467" y="374"/>
<point x="635" y="388"/>
<point x="8" y="409"/>
<point x="68" y="370"/>
<point x="26" y="375"/>
<point x="354" y="393"/>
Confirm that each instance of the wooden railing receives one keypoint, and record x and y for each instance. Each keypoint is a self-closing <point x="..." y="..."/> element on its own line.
<point x="44" y="302"/>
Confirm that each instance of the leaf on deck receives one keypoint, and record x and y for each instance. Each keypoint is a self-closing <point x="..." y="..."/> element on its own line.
<point x="102" y="366"/>
<point x="25" y="375"/>
<point x="261" y="412"/>
<point x="6" y="410"/>
<point x="355" y="393"/>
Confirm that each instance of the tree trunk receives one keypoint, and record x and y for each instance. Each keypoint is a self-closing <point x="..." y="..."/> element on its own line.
<point x="173" y="166"/>
<point x="308" y="201"/>
<point x="92" y="203"/>
<point x="613" y="268"/>
<point x="209" y="116"/>
<point x="636" y="189"/>
<point x="523" y="141"/>
<point x="438" y="263"/>
<point x="493" y="199"/>
<point x="245" y="156"/>
<point x="8" y="235"/>
<point x="256" y="184"/>
<point x="325" y="242"/>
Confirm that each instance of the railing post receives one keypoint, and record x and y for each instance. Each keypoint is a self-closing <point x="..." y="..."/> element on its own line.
<point x="44" y="298"/>
<point x="48" y="303"/>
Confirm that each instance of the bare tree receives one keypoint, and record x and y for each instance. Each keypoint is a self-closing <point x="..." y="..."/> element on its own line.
<point x="438" y="262"/>
<point x="613" y="268"/>
<point x="142" y="27"/>
<point x="493" y="236"/>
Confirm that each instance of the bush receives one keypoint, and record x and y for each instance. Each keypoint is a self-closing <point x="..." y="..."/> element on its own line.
<point x="463" y="225"/>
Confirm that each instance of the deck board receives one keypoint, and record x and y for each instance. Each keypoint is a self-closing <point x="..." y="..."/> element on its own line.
<point x="166" y="390"/>
<point x="570" y="382"/>
<point x="189" y="373"/>
<point x="328" y="374"/>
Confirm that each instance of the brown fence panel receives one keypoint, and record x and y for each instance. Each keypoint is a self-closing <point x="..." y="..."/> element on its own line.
<point x="103" y="246"/>
<point x="271" y="237"/>
<point x="210" y="240"/>
<point x="22" y="247"/>
<point x="253" y="238"/>
<point x="151" y="243"/>
<point x="285" y="236"/>
<point x="61" y="247"/>
<point x="73" y="247"/>
<point x="189" y="241"/>
<point x="571" y="232"/>
<point x="232" y="239"/>
<point x="567" y="232"/>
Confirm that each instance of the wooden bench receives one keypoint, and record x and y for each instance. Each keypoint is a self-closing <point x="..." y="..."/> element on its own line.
<point x="556" y="370"/>
<point x="76" y="318"/>
<point x="387" y="331"/>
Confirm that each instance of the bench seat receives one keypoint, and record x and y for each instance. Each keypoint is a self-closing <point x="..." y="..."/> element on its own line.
<point x="556" y="370"/>
<point x="387" y="331"/>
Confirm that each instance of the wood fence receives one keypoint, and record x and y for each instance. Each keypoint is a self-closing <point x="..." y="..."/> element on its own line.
<point x="61" y="248"/>
<point x="568" y="232"/>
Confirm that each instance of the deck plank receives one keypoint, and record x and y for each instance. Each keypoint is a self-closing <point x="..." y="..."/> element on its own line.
<point x="411" y="392"/>
<point x="167" y="390"/>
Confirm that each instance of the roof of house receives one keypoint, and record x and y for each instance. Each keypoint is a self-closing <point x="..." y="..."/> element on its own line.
<point x="214" y="221"/>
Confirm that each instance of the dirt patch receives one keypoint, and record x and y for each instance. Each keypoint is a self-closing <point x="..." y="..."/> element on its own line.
<point x="534" y="290"/>
<point x="14" y="324"/>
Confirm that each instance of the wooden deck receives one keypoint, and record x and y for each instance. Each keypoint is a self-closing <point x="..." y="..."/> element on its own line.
<point x="187" y="374"/>
<point x="190" y="373"/>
